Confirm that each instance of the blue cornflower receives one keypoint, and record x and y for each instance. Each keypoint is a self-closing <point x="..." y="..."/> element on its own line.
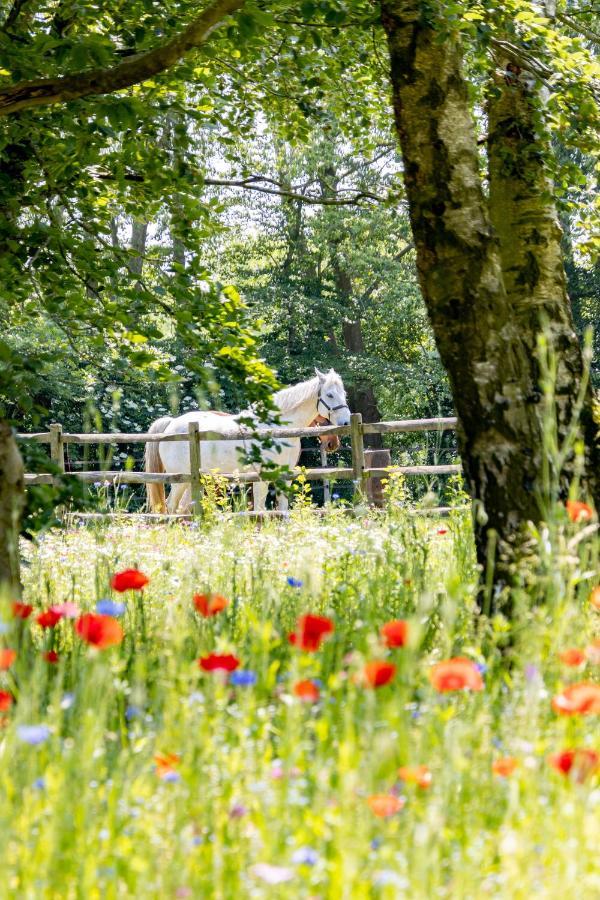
<point x="481" y="667"/>
<point x="4" y="627"/>
<point x="39" y="784"/>
<point x="294" y="582"/>
<point x="305" y="856"/>
<point x="375" y="843"/>
<point x="33" y="734"/>
<point x="171" y="777"/>
<point x="67" y="701"/>
<point x="242" y="678"/>
<point x="110" y="608"/>
<point x="132" y="712"/>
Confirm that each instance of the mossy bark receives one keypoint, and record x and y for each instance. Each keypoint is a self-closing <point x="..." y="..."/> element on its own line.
<point x="525" y="218"/>
<point x="480" y="341"/>
<point x="11" y="506"/>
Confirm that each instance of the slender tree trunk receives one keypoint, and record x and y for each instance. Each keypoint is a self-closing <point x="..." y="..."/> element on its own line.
<point x="481" y="344"/>
<point x="526" y="221"/>
<point x="11" y="506"/>
<point x="139" y="233"/>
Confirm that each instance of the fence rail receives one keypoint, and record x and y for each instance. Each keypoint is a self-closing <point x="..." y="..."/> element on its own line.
<point x="359" y="472"/>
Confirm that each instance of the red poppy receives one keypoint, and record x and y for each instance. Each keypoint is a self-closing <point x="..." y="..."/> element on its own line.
<point x="595" y="598"/>
<point x="51" y="656"/>
<point x="129" y="580"/>
<point x="166" y="762"/>
<point x="21" y="610"/>
<point x="579" y="511"/>
<point x="442" y="531"/>
<point x="395" y="633"/>
<point x="582" y="698"/>
<point x="213" y="662"/>
<point x="385" y="805"/>
<point x="310" y="632"/>
<point x="572" y="657"/>
<point x="6" y="700"/>
<point x="577" y="764"/>
<point x="49" y="618"/>
<point x="377" y="673"/>
<point x="7" y="658"/>
<point x="307" y="691"/>
<point x="210" y="604"/>
<point x="99" y="631"/>
<point x="504" y="766"/>
<point x="457" y="674"/>
<point x="419" y="775"/>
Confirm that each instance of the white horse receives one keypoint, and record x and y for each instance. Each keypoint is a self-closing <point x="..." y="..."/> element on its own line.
<point x="299" y="405"/>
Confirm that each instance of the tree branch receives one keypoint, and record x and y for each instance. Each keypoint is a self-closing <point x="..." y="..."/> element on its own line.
<point x="132" y="70"/>
<point x="13" y="14"/>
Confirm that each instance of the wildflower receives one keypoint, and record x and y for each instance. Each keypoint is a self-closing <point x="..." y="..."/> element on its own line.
<point x="132" y="712"/>
<point x="307" y="691"/>
<point x="7" y="658"/>
<point x="51" y="656"/>
<point x="376" y="674"/>
<point x="456" y="674"/>
<point x="6" y="701"/>
<point x="166" y="763"/>
<point x="99" y="631"/>
<point x="572" y="657"/>
<point x="238" y="811"/>
<point x="272" y="874"/>
<point x="305" y="856"/>
<point x="210" y="604"/>
<point x="110" y="608"/>
<point x="579" y="511"/>
<point x="577" y="764"/>
<point x="504" y="766"/>
<point x="66" y="610"/>
<point x="442" y="531"/>
<point x="49" y="618"/>
<point x="214" y="661"/>
<point x="33" y="734"/>
<point x="595" y="598"/>
<point x="582" y="698"/>
<point x="395" y="633"/>
<point x="243" y="678"/>
<point x="310" y="632"/>
<point x="419" y="775"/>
<point x="171" y="777"/>
<point x="385" y="805"/>
<point x="21" y="610"/>
<point x="129" y="580"/>
<point x="39" y="784"/>
<point x="294" y="582"/>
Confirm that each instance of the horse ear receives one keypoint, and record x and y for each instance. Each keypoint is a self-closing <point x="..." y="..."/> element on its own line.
<point x="320" y="375"/>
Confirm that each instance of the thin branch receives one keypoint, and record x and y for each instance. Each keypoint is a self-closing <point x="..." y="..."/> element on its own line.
<point x="132" y="70"/>
<point x="580" y="29"/>
<point x="13" y="14"/>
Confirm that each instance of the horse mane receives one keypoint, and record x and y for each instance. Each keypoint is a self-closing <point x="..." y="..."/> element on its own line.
<point x="293" y="396"/>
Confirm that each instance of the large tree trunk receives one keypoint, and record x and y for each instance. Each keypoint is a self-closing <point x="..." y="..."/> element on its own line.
<point x="525" y="218"/>
<point x="11" y="506"/>
<point x="481" y="343"/>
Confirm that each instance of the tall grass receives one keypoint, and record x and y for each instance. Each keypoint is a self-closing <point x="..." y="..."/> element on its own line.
<point x="270" y="795"/>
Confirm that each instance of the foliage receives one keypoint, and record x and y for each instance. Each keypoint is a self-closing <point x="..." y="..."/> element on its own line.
<point x="151" y="776"/>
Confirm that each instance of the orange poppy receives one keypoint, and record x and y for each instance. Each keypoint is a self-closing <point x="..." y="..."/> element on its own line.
<point x="504" y="766"/>
<point x="395" y="633"/>
<point x="377" y="673"/>
<point x="210" y="604"/>
<point x="419" y="775"/>
<point x="577" y="764"/>
<point x="595" y="598"/>
<point x="307" y="691"/>
<point x="457" y="674"/>
<point x="572" y="657"/>
<point x="385" y="805"/>
<point x="6" y="700"/>
<point x="166" y="762"/>
<point x="7" y="658"/>
<point x="579" y="511"/>
<point x="98" y="630"/>
<point x="129" y="580"/>
<point x="310" y="632"/>
<point x="582" y="698"/>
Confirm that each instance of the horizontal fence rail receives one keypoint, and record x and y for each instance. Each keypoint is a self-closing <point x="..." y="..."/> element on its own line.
<point x="359" y="472"/>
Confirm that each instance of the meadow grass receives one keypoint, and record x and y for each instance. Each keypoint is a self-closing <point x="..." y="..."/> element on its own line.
<point x="270" y="795"/>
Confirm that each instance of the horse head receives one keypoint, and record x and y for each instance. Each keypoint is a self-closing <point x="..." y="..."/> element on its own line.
<point x="331" y="400"/>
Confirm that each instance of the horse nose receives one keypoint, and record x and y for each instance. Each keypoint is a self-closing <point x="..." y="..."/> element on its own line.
<point x="344" y="419"/>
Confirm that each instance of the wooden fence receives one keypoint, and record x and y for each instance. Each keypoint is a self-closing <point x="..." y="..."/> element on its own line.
<point x="358" y="472"/>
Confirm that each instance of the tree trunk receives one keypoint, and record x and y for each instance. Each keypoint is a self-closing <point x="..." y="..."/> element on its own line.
<point x="481" y="344"/>
<point x="11" y="506"/>
<point x="525" y="218"/>
<point x="139" y="233"/>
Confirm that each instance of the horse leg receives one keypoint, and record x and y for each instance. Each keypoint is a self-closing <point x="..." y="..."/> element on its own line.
<point x="283" y="503"/>
<point x="259" y="490"/>
<point x="175" y="496"/>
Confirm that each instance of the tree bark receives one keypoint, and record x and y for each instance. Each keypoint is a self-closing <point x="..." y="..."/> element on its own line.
<point x="525" y="218"/>
<point x="481" y="343"/>
<point x="139" y="233"/>
<point x="11" y="505"/>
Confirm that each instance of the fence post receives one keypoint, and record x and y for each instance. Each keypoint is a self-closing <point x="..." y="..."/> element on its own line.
<point x="326" y="483"/>
<point x="195" y="466"/>
<point x="358" y="454"/>
<point x="57" y="446"/>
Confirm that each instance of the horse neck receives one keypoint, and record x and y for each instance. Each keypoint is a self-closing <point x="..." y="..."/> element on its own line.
<point x="300" y="416"/>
